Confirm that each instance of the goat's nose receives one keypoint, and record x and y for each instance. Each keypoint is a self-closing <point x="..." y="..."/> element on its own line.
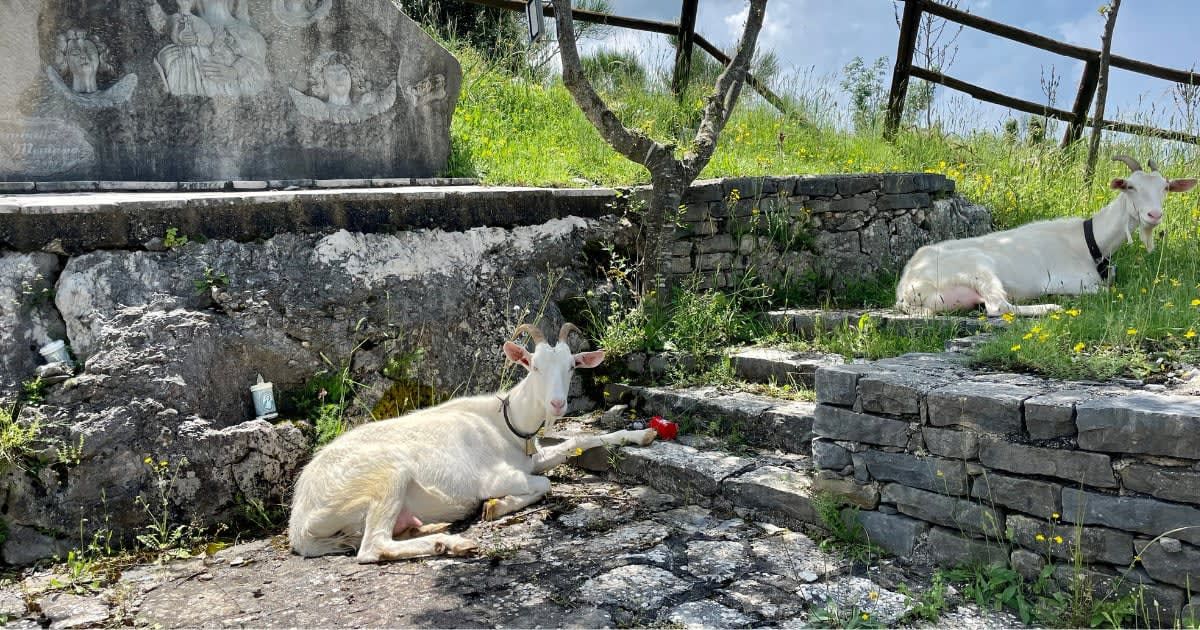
<point x="1154" y="215"/>
<point x="558" y="404"/>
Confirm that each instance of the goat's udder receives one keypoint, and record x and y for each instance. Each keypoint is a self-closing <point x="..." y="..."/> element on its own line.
<point x="959" y="297"/>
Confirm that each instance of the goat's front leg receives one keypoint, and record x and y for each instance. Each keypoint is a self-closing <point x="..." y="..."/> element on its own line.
<point x="557" y="454"/>
<point x="532" y="491"/>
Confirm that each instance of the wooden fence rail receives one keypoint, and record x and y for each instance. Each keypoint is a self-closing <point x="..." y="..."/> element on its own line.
<point x="654" y="26"/>
<point x="1077" y="119"/>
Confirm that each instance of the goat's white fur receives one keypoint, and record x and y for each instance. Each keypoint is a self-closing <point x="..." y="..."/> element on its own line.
<point x="1046" y="257"/>
<point x="382" y="485"/>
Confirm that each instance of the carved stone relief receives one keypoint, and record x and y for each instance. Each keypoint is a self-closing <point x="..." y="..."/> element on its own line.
<point x="297" y="13"/>
<point x="42" y="147"/>
<point x="214" y="49"/>
<point x="427" y="91"/>
<point x="340" y="93"/>
<point x="83" y="58"/>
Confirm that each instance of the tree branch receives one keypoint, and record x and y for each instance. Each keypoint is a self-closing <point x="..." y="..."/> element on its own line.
<point x="721" y="101"/>
<point x="631" y="143"/>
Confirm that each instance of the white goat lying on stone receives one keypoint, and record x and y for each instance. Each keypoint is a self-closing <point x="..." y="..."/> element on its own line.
<point x="375" y="487"/>
<point x="1061" y="256"/>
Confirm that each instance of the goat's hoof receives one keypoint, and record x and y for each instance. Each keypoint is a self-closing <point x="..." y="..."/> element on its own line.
<point x="648" y="436"/>
<point x="459" y="546"/>
<point x="491" y="509"/>
<point x="367" y="557"/>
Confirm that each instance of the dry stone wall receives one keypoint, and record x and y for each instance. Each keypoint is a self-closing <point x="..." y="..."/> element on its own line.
<point x="832" y="229"/>
<point x="971" y="467"/>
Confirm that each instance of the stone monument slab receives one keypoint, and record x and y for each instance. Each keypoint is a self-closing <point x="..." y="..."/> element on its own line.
<point x="186" y="90"/>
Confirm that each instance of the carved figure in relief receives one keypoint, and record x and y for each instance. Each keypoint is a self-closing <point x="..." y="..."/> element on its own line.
<point x="297" y="13"/>
<point x="82" y="57"/>
<point x="214" y="49"/>
<point x="427" y="91"/>
<point x="340" y="93"/>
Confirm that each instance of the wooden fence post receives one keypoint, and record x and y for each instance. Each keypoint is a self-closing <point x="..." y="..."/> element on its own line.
<point x="904" y="54"/>
<point x="683" y="51"/>
<point x="1083" y="102"/>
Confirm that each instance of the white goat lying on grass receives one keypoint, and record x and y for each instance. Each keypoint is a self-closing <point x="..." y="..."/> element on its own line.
<point x="376" y="486"/>
<point x="1060" y="256"/>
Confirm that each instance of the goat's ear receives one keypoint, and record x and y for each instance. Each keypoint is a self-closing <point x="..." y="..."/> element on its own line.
<point x="516" y="353"/>
<point x="1118" y="184"/>
<point x="589" y="359"/>
<point x="1181" y="185"/>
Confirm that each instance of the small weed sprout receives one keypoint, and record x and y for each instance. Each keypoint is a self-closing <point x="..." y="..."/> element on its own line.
<point x="174" y="239"/>
<point x="210" y="280"/>
<point x="162" y="537"/>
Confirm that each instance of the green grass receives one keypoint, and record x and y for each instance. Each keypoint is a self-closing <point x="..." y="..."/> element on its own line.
<point x="508" y="130"/>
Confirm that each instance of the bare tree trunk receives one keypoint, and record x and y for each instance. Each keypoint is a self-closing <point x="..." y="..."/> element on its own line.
<point x="669" y="176"/>
<point x="1101" y="89"/>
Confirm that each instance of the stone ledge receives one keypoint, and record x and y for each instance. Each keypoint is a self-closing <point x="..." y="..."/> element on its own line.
<point x="69" y="224"/>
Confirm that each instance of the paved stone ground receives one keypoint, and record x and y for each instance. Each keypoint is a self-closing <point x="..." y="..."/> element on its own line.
<point x="596" y="553"/>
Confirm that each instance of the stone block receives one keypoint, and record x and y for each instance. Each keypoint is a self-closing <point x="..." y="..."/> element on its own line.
<point x="857" y="184"/>
<point x="898" y="393"/>
<point x="205" y="186"/>
<point x="256" y="184"/>
<point x="1146" y="423"/>
<point x="66" y="186"/>
<point x="1172" y="484"/>
<point x="377" y="182"/>
<point x="948" y="549"/>
<point x="853" y="204"/>
<point x="903" y="201"/>
<point x="681" y="265"/>
<point x="842" y="424"/>
<point x="838" y="385"/>
<point x="1027" y="563"/>
<point x="951" y="443"/>
<point x="963" y="514"/>
<point x="17" y="187"/>
<point x="945" y="476"/>
<point x="829" y="456"/>
<point x="816" y="186"/>
<point x="865" y="496"/>
<point x="1168" y="560"/>
<point x="988" y="407"/>
<point x="774" y="492"/>
<point x="1052" y="415"/>
<point x="138" y="186"/>
<point x="1093" y="544"/>
<point x="1039" y="498"/>
<point x="900" y="183"/>
<point x="788" y="428"/>
<point x="714" y="262"/>
<point x="717" y="243"/>
<point x="1091" y="469"/>
<point x="677" y="469"/>
<point x="1144" y="516"/>
<point x="703" y="191"/>
<point x="897" y="534"/>
<point x="766" y="365"/>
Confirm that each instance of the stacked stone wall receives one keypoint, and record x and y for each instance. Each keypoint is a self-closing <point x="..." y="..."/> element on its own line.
<point x="831" y="229"/>
<point x="965" y="467"/>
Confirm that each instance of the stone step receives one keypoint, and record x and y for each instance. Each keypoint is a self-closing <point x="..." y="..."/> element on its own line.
<point x="806" y="321"/>
<point x="758" y="421"/>
<point x="777" y="365"/>
<point x="756" y="488"/>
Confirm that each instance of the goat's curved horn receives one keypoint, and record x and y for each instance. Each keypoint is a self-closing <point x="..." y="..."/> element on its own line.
<point x="565" y="332"/>
<point x="534" y="332"/>
<point x="1128" y="161"/>
<point x="1152" y="165"/>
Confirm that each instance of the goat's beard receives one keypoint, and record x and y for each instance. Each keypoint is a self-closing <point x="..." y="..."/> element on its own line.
<point x="1147" y="234"/>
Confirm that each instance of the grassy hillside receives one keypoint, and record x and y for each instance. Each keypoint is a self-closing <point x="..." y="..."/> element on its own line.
<point x="512" y="130"/>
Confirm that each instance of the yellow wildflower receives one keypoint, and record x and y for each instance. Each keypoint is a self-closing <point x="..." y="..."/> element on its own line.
<point x="1054" y="516"/>
<point x="941" y="474"/>
<point x="1120" y="296"/>
<point x="873" y="595"/>
<point x="1078" y="348"/>
<point x="1035" y="329"/>
<point x="1190" y="333"/>
<point x="1073" y="312"/>
<point x="147" y="460"/>
<point x="1008" y="317"/>
<point x="1196" y="302"/>
<point x="1168" y="305"/>
<point x="866" y="616"/>
<point x="1175" y="282"/>
<point x="1058" y="540"/>
<point x="1043" y="336"/>
<point x="1040" y="538"/>
<point x="578" y="452"/>
<point x="1015" y="347"/>
<point x="163" y="463"/>
<point x="1055" y="316"/>
<point x="1143" y="290"/>
<point x="1027" y="336"/>
<point x="1131" y="331"/>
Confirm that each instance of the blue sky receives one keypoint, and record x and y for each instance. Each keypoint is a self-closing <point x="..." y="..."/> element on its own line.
<point x="818" y="37"/>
